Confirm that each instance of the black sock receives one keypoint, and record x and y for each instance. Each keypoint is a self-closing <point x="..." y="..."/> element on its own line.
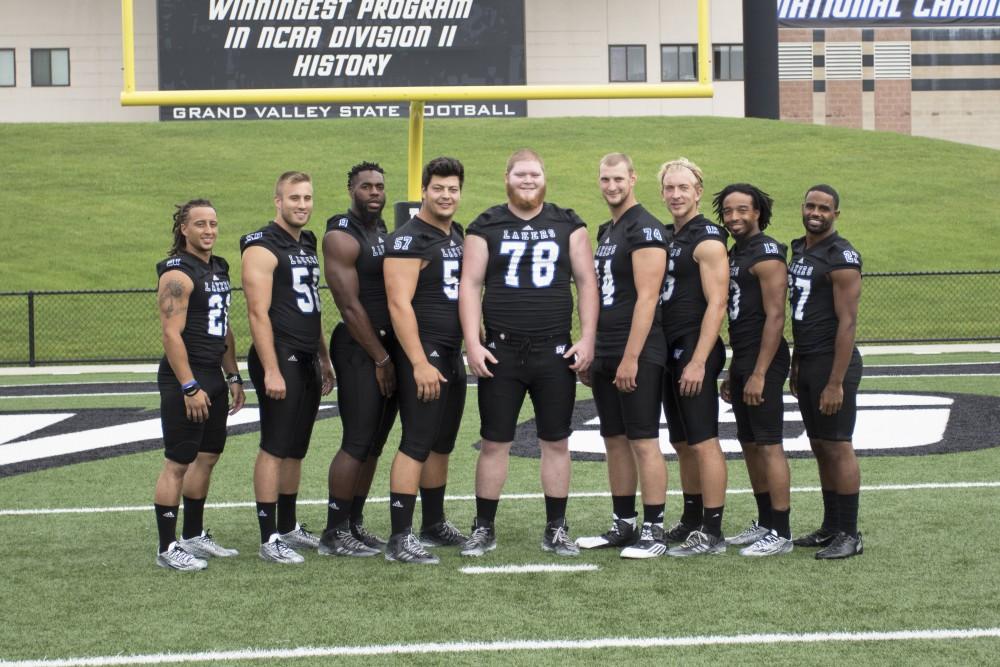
<point x="194" y="513"/>
<point x="711" y="521"/>
<point x="266" y="518"/>
<point x="401" y="511"/>
<point x="693" y="509"/>
<point x="847" y="510"/>
<point x="624" y="506"/>
<point x="555" y="508"/>
<point x="652" y="513"/>
<point x="763" y="509"/>
<point x="431" y="505"/>
<point x="358" y="509"/>
<point x="337" y="511"/>
<point x="830" y="518"/>
<point x="286" y="512"/>
<point x="486" y="508"/>
<point x="779" y="519"/>
<point x="166" y="524"/>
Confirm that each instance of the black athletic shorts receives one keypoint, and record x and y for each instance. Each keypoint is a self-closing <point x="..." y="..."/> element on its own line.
<point x="692" y="419"/>
<point x="286" y="425"/>
<point x="527" y="365"/>
<point x="814" y="372"/>
<point x="760" y="424"/>
<point x="183" y="438"/>
<point x="636" y="415"/>
<point x="366" y="415"/>
<point x="430" y="426"/>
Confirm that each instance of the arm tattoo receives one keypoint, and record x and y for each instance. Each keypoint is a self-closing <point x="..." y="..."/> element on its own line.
<point x="171" y="292"/>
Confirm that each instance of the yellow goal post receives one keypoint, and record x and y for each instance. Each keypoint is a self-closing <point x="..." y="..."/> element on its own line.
<point x="415" y="95"/>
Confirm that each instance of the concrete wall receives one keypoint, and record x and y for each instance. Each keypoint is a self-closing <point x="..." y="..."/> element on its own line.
<point x="92" y="33"/>
<point x="576" y="51"/>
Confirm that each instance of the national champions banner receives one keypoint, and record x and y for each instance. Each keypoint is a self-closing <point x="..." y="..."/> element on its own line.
<point x="887" y="13"/>
<point x="243" y="44"/>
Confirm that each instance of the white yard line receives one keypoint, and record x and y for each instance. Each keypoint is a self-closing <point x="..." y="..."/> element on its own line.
<point x="528" y="569"/>
<point x="921" y="486"/>
<point x="445" y="648"/>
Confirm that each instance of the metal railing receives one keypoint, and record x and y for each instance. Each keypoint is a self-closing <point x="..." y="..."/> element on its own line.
<point x="52" y="327"/>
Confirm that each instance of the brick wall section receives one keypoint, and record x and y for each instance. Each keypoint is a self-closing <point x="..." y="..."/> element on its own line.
<point x="843" y="103"/>
<point x="893" y="101"/>
<point x="790" y="35"/>
<point x="892" y="34"/>
<point x="843" y="98"/>
<point x="796" y="101"/>
<point x="892" y="106"/>
<point x="795" y="97"/>
<point x="843" y="35"/>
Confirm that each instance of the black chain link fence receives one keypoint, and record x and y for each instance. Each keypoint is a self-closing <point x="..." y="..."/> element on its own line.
<point x="122" y="325"/>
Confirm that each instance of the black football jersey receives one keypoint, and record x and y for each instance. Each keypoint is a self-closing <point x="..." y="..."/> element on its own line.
<point x="810" y="291"/>
<point x="435" y="301"/>
<point x="529" y="270"/>
<point x="295" y="305"/>
<point x="371" y="286"/>
<point x="746" y="303"/>
<point x="683" y="301"/>
<point x="207" y="323"/>
<point x="613" y="262"/>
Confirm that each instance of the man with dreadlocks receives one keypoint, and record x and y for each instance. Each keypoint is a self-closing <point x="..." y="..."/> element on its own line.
<point x="757" y="286"/>
<point x="353" y="251"/>
<point x="193" y="296"/>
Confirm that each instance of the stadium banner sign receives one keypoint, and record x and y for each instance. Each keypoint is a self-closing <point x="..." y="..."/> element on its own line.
<point x="262" y="44"/>
<point x="887" y="13"/>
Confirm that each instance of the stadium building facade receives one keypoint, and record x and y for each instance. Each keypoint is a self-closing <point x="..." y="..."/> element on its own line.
<point x="920" y="67"/>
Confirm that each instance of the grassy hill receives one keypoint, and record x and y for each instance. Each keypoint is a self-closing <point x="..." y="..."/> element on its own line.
<point x="88" y="206"/>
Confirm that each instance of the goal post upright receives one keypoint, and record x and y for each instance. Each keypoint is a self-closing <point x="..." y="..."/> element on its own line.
<point x="417" y="96"/>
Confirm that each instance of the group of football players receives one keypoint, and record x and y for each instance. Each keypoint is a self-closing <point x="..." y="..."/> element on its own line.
<point x="650" y="300"/>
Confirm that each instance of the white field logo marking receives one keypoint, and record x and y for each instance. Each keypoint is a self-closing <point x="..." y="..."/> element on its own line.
<point x="14" y="426"/>
<point x="884" y="422"/>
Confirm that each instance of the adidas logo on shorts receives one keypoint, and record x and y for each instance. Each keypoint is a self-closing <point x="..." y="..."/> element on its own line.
<point x="293" y="358"/>
<point x="434" y="353"/>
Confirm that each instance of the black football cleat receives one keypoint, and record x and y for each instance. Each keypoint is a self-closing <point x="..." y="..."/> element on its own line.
<point x="678" y="532"/>
<point x="821" y="537"/>
<point x="843" y="546"/>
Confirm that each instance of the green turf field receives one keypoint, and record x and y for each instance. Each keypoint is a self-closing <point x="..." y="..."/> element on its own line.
<point x="84" y="584"/>
<point x="100" y="199"/>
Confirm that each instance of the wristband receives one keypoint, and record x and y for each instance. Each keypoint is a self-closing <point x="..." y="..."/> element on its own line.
<point x="234" y="377"/>
<point x="191" y="388"/>
<point x="384" y="362"/>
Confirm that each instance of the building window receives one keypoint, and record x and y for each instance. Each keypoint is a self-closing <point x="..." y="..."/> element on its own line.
<point x="627" y="63"/>
<point x="728" y="64"/>
<point x="50" y="67"/>
<point x="679" y="62"/>
<point x="7" y="75"/>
